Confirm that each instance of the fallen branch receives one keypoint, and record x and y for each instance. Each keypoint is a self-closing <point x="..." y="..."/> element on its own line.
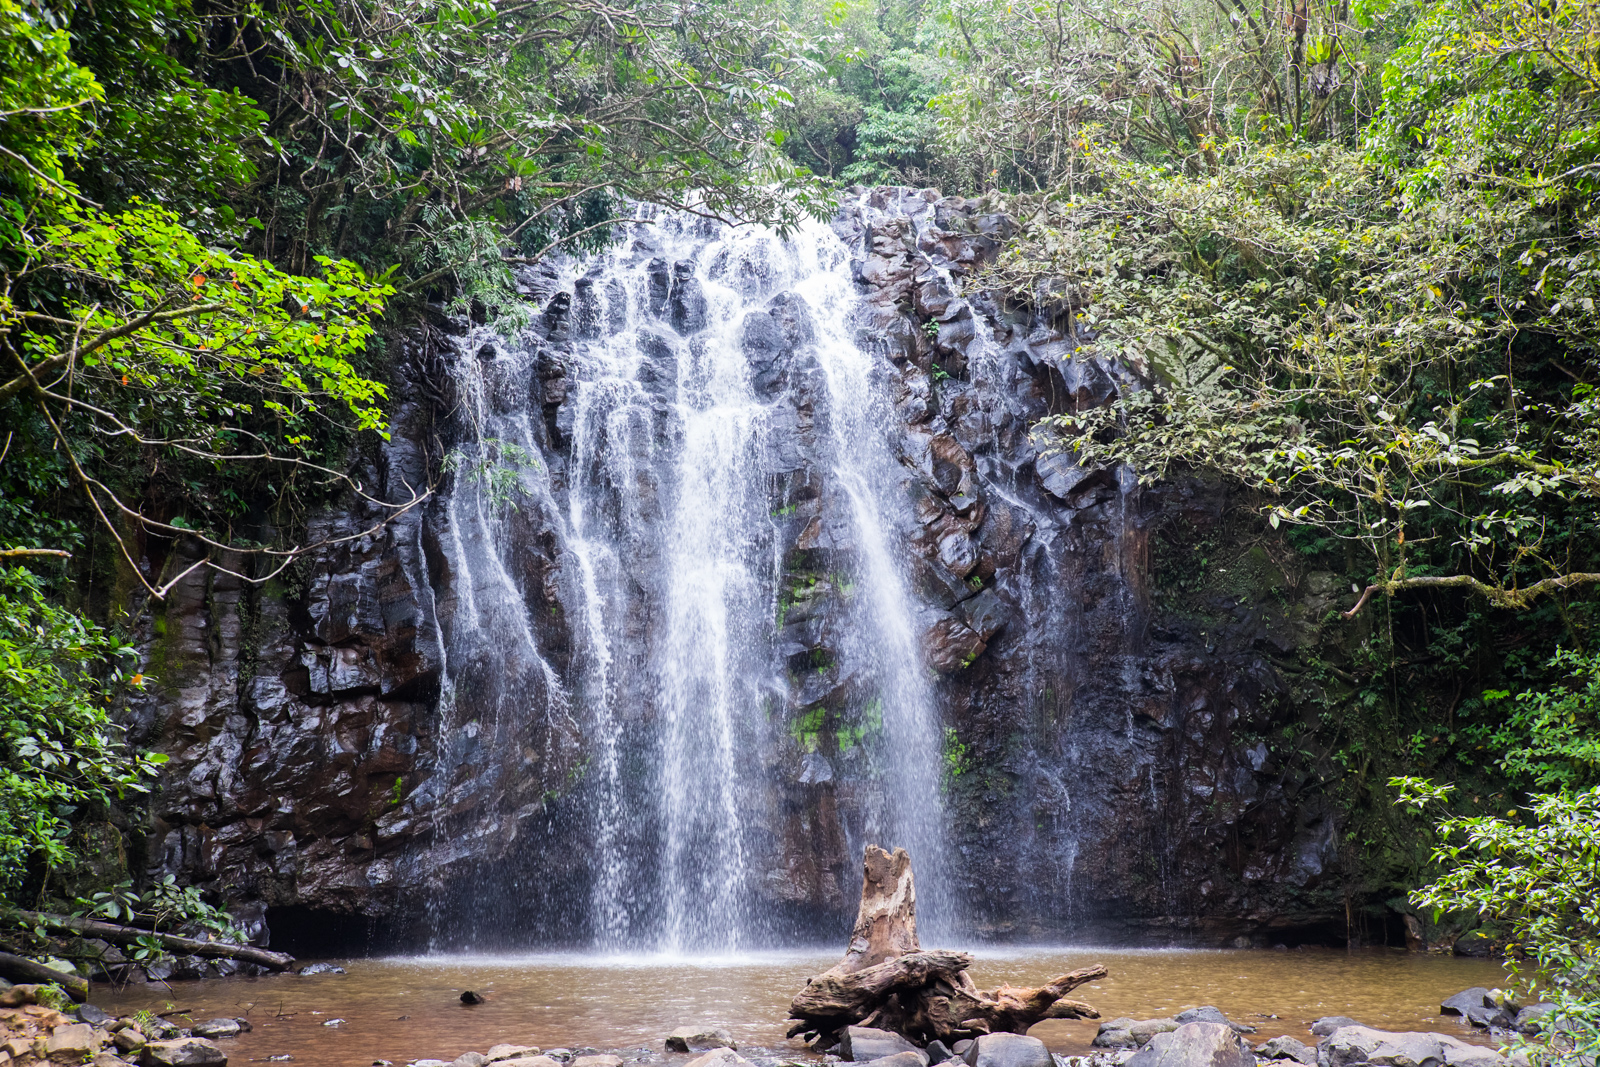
<point x="127" y="935"/>
<point x="21" y="969"/>
<point x="13" y="553"/>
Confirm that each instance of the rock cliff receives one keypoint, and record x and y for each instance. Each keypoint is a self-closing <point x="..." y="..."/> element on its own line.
<point x="1105" y="661"/>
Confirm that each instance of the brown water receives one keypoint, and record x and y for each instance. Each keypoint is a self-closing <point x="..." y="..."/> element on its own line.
<point x="405" y="1009"/>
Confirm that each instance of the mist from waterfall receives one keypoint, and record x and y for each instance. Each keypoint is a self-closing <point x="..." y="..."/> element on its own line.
<point x="696" y="359"/>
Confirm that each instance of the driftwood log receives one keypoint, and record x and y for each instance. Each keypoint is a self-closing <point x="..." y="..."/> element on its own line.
<point x="22" y="969"/>
<point x="127" y="935"/>
<point x="887" y="981"/>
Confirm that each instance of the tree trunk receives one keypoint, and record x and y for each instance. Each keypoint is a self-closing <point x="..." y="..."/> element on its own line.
<point x="887" y="981"/>
<point x="127" y="935"/>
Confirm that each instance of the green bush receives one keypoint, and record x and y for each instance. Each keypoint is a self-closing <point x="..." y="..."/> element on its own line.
<point x="60" y="753"/>
<point x="1542" y="879"/>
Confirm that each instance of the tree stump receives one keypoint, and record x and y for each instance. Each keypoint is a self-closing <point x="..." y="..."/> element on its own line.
<point x="887" y="981"/>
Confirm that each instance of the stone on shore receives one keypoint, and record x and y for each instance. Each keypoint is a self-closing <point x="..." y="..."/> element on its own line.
<point x="1329" y="1023"/>
<point x="511" y="1052"/>
<point x="1126" y="1033"/>
<point x="601" y="1060"/>
<point x="1208" y="1013"/>
<point x="470" y="1059"/>
<point x="73" y="1041"/>
<point x="1009" y="1050"/>
<point x="863" y="1044"/>
<point x="1287" y="1048"/>
<point x="528" y="1061"/>
<point x="218" y="1028"/>
<point x="1199" y="1044"/>
<point x="699" y="1039"/>
<point x="182" y="1052"/>
<point x="937" y="1052"/>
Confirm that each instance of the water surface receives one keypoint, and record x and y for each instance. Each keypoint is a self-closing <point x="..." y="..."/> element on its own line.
<point x="404" y="1009"/>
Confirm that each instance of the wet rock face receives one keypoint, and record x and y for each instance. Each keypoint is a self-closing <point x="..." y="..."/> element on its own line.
<point x="1100" y="724"/>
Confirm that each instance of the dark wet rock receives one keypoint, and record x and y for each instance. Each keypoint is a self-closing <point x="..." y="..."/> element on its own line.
<point x="1287" y="1048"/>
<point x="469" y="996"/>
<point x="686" y="302"/>
<point x="1197" y="1044"/>
<point x="960" y="1047"/>
<point x="1490" y="1018"/>
<point x="1007" y="1050"/>
<point x="183" y="1052"/>
<point x="321" y="968"/>
<point x="863" y="1043"/>
<point x="94" y="1016"/>
<point x="1474" y="943"/>
<point x="1476" y="997"/>
<point x="699" y="1039"/>
<point x="937" y="1052"/>
<point x="1329" y="1023"/>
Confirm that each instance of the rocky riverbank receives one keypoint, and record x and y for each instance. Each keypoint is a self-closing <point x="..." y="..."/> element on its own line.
<point x="1196" y="1037"/>
<point x="37" y="1026"/>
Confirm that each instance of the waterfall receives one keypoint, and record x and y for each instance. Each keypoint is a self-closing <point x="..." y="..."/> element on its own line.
<point x="693" y="433"/>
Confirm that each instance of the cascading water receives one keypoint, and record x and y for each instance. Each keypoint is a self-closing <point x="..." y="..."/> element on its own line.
<point x="712" y="396"/>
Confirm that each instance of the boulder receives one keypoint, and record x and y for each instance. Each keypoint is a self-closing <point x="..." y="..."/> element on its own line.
<point x="1329" y="1023"/>
<point x="470" y="1059"/>
<point x="1490" y="1017"/>
<point x="528" y="1061"/>
<point x="108" y="1059"/>
<point x="863" y="1044"/>
<point x="511" y="1052"/>
<point x="93" y="1016"/>
<point x="591" y="1061"/>
<point x="1116" y="1033"/>
<point x="1287" y="1048"/>
<point x="1527" y="1020"/>
<point x="937" y="1052"/>
<point x="1143" y="1030"/>
<point x="718" y="1057"/>
<point x="699" y="1039"/>
<point x="1476" y="997"/>
<point x="1207" y="1013"/>
<point x="1362" y="1044"/>
<point x="1198" y="1044"/>
<point x="218" y="1028"/>
<point x="1009" y="1050"/>
<point x="183" y="1052"/>
<point x="913" y="1058"/>
<point x="1458" y="1053"/>
<point x="74" y="1041"/>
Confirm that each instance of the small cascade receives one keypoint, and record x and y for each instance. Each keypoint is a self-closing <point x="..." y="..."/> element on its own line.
<point x="717" y="466"/>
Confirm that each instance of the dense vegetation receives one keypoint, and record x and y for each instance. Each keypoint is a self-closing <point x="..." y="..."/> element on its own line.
<point x="1350" y="245"/>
